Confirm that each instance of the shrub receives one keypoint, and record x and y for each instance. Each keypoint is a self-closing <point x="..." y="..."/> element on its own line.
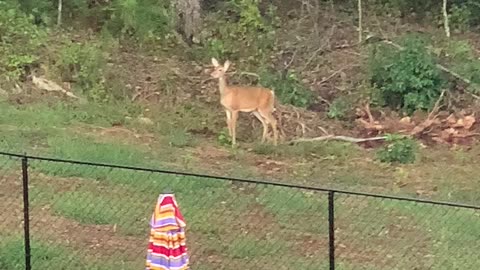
<point x="408" y="78"/>
<point x="460" y="17"/>
<point x="224" y="139"/>
<point x="241" y="32"/>
<point x="399" y="149"/>
<point x="20" y="40"/>
<point x="142" y="19"/>
<point x="288" y="88"/>
<point x="338" y="109"/>
<point x="84" y="64"/>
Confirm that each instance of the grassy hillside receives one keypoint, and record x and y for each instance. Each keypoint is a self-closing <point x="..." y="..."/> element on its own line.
<point x="145" y="98"/>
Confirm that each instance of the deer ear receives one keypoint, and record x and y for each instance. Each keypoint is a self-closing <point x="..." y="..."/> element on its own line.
<point x="215" y="62"/>
<point x="226" y="65"/>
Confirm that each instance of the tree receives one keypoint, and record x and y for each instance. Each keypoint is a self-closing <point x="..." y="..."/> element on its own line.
<point x="189" y="18"/>
<point x="445" y="18"/>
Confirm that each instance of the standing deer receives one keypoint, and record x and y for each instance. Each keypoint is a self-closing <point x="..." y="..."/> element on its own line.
<point x="258" y="100"/>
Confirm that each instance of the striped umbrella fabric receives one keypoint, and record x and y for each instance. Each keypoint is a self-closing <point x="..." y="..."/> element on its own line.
<point x="167" y="248"/>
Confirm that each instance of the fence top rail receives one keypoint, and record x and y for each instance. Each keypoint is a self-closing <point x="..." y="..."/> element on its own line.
<point x="241" y="180"/>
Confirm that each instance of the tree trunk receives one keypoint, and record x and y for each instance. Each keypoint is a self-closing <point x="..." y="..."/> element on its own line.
<point x="189" y="20"/>
<point x="360" y="26"/>
<point x="445" y="18"/>
<point x="59" y="15"/>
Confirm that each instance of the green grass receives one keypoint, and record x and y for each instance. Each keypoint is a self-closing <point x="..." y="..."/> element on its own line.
<point x="58" y="115"/>
<point x="381" y="232"/>
<point x="239" y="224"/>
<point x="250" y="247"/>
<point x="49" y="256"/>
<point x="338" y="151"/>
<point x="296" y="209"/>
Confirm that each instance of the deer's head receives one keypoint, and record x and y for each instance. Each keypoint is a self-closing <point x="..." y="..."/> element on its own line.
<point x="219" y="70"/>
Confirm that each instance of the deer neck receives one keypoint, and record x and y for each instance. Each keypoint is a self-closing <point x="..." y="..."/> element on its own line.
<point x="222" y="85"/>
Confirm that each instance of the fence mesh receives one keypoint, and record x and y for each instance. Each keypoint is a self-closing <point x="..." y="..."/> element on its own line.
<point x="11" y="213"/>
<point x="87" y="216"/>
<point x="378" y="233"/>
<point x="95" y="217"/>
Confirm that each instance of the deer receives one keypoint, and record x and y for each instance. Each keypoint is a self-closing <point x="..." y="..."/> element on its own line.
<point x="260" y="101"/>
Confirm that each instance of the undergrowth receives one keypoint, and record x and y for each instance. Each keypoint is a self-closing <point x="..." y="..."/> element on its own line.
<point x="20" y="40"/>
<point x="407" y="79"/>
<point x="398" y="150"/>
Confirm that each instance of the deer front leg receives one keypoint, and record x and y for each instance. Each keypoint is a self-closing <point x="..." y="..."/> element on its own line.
<point x="233" y="124"/>
<point x="229" y="122"/>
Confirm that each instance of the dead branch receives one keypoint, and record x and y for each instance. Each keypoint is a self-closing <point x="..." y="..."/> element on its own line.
<point x="335" y="73"/>
<point x="338" y="138"/>
<point x="369" y="113"/>
<point x="322" y="49"/>
<point x="323" y="130"/>
<point x="50" y="86"/>
<point x="324" y="100"/>
<point x="287" y="65"/>
<point x="436" y="106"/>
<point x="249" y="74"/>
<point x="432" y="116"/>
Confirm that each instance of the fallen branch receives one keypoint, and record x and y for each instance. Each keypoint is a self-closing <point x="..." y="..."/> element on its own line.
<point x="334" y="73"/>
<point x="49" y="86"/>
<point x="338" y="138"/>
<point x="250" y="74"/>
<point x="432" y="116"/>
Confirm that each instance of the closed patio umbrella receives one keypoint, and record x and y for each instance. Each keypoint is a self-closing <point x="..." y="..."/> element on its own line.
<point x="167" y="248"/>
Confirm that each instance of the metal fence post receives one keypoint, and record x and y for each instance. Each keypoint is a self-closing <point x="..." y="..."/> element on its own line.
<point x="26" y="214"/>
<point x="331" y="229"/>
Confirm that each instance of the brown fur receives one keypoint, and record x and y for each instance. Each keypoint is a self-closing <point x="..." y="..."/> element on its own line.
<point x="258" y="100"/>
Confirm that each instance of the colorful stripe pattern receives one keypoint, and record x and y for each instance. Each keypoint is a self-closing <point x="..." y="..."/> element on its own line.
<point x="167" y="248"/>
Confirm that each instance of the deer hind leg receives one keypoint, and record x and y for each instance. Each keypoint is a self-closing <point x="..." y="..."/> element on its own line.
<point x="264" y="123"/>
<point x="233" y="124"/>
<point x="267" y="115"/>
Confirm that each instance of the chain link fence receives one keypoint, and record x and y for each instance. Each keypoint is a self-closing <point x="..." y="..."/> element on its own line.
<point x="93" y="216"/>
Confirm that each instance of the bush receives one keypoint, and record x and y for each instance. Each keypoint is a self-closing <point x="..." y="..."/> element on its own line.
<point x="460" y="17"/>
<point x="84" y="64"/>
<point x="241" y="32"/>
<point x="142" y="19"/>
<point x="21" y="41"/>
<point x="407" y="79"/>
<point x="399" y="149"/>
<point x="338" y="109"/>
<point x="288" y="88"/>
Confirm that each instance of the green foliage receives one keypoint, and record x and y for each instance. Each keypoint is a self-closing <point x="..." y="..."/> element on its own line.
<point x="180" y="138"/>
<point x="84" y="64"/>
<point x="241" y="32"/>
<point x="223" y="138"/>
<point x="141" y="19"/>
<point x="288" y="88"/>
<point x="404" y="7"/>
<point x="250" y="17"/>
<point x="399" y="149"/>
<point x="462" y="60"/>
<point x="338" y="109"/>
<point x="20" y="42"/>
<point x="464" y="14"/>
<point x="408" y="78"/>
<point x="460" y="17"/>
